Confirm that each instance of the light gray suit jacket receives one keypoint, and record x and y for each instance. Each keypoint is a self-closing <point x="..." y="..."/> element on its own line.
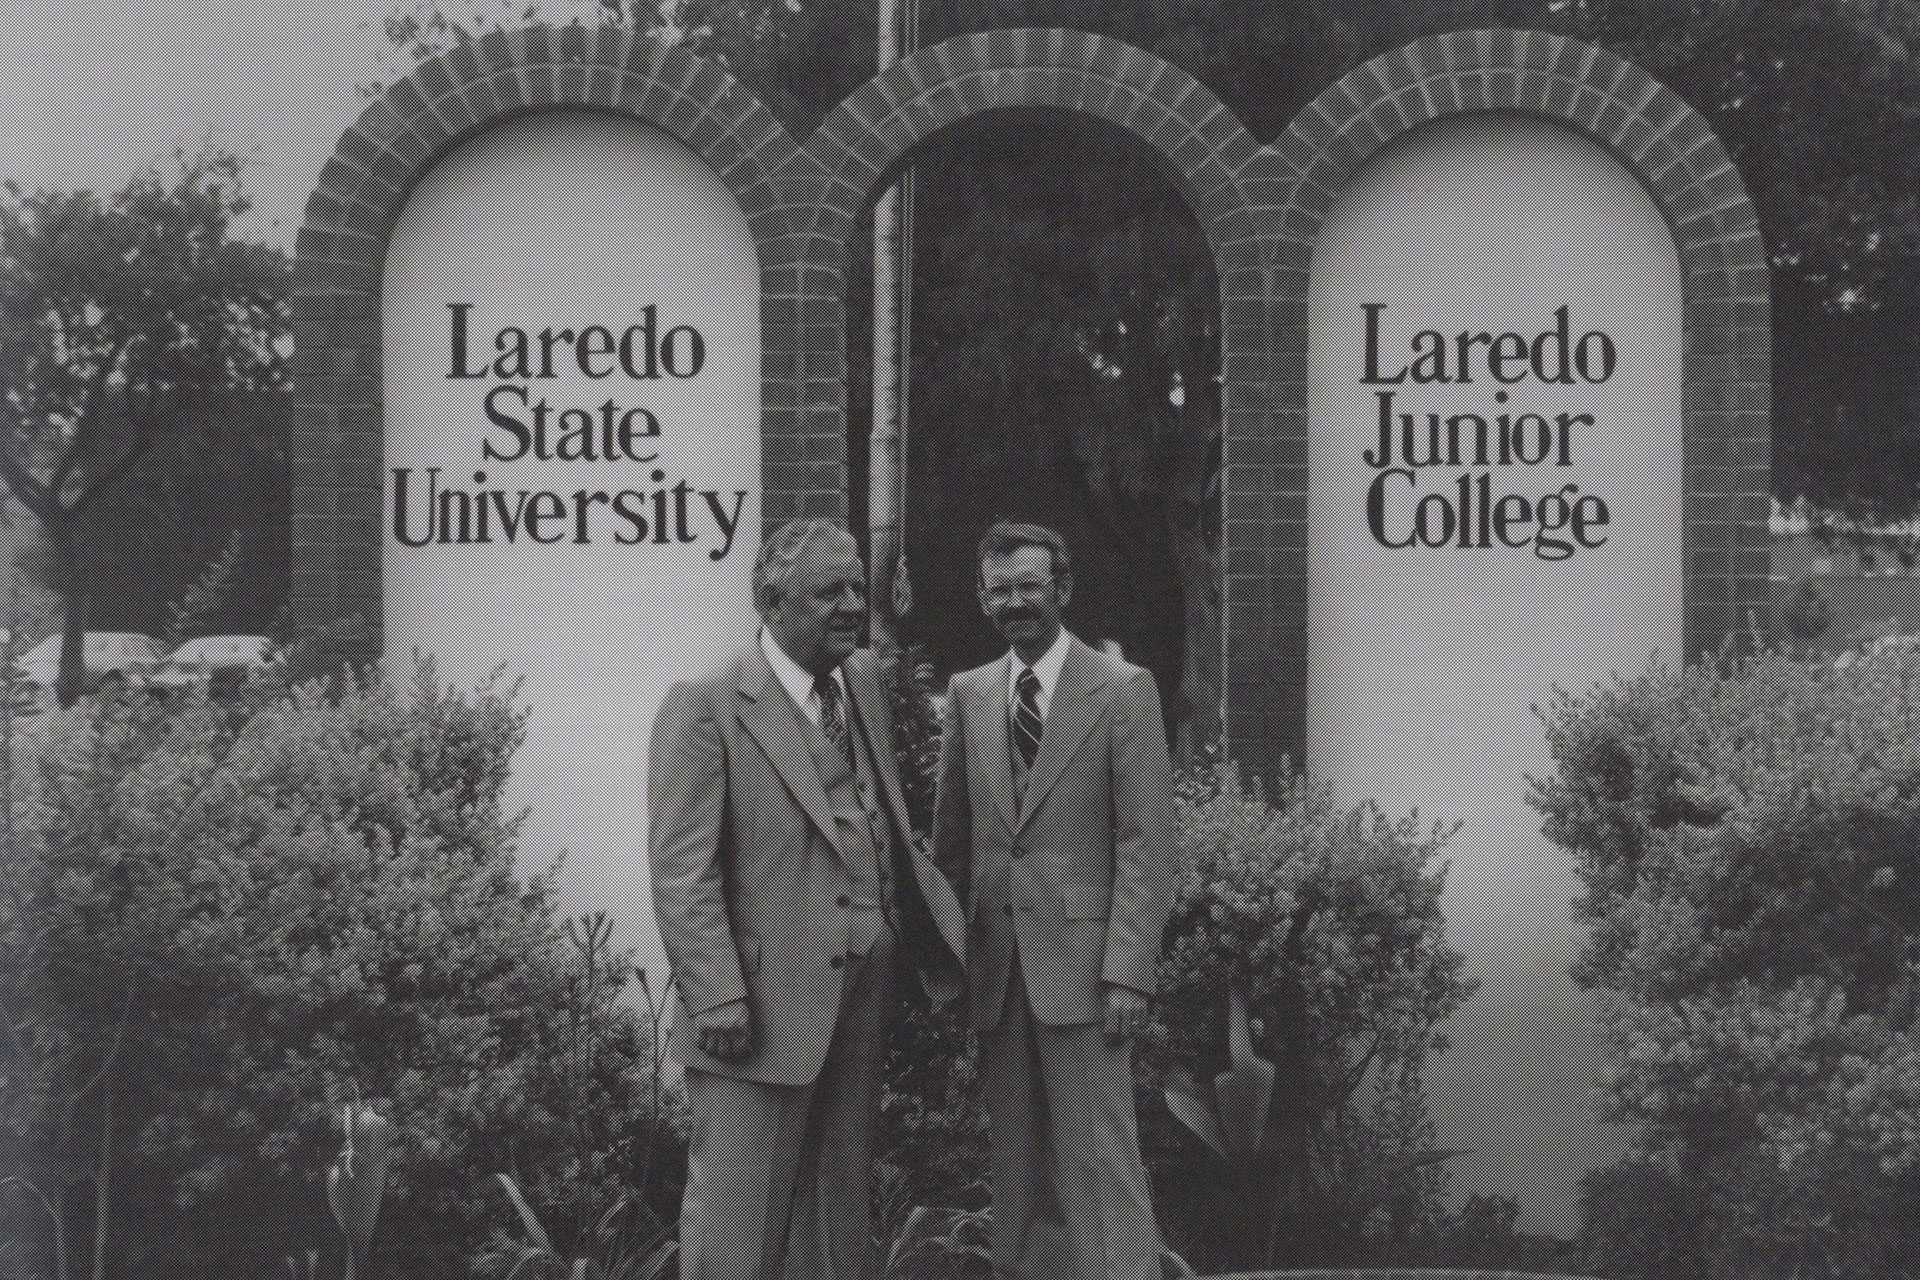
<point x="1080" y="870"/>
<point x="750" y="886"/>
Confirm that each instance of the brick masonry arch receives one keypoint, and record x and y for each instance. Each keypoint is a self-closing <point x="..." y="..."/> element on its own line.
<point x="1227" y="180"/>
<point x="337" y="446"/>
<point x="801" y="204"/>
<point x="1726" y="306"/>
<point x="1198" y="144"/>
<point x="1259" y="206"/>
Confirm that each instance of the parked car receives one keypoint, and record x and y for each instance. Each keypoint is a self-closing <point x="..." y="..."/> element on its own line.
<point x="106" y="657"/>
<point x="1878" y="646"/>
<point x="220" y="662"/>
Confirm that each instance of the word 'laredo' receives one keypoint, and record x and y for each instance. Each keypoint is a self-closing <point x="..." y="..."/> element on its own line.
<point x="640" y="351"/>
<point x="1550" y="357"/>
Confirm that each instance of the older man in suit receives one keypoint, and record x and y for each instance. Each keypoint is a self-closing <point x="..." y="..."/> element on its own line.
<point x="786" y="883"/>
<point x="1056" y="795"/>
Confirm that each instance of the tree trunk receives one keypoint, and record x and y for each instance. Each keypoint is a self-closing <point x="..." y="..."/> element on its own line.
<point x="102" y="1179"/>
<point x="889" y="358"/>
<point x="73" y="628"/>
<point x="1197" y="559"/>
<point x="1193" y="525"/>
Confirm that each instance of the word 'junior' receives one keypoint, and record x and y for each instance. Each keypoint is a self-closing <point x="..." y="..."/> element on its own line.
<point x="429" y="508"/>
<point x="1404" y="511"/>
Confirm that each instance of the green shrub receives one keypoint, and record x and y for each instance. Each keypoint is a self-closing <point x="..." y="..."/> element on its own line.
<point x="1749" y="842"/>
<point x="228" y="919"/>
<point x="933" y="1128"/>
<point x="1329" y="920"/>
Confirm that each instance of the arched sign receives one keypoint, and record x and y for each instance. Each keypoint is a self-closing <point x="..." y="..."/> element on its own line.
<point x="572" y="455"/>
<point x="1494" y="392"/>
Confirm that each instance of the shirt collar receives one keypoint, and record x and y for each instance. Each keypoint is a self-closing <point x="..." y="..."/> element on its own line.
<point x="1046" y="670"/>
<point x="794" y="678"/>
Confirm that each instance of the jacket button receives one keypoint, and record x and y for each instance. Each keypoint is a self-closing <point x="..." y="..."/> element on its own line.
<point x="1018" y="851"/>
<point x="843" y="900"/>
<point x="1008" y="908"/>
<point x="837" y="961"/>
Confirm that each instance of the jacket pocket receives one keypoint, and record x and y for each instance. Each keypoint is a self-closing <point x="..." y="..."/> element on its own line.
<point x="1087" y="901"/>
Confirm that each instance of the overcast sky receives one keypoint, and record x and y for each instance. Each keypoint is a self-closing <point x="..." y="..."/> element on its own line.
<point x="91" y="94"/>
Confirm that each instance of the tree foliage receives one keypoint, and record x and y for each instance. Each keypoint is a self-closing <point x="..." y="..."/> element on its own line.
<point x="125" y="321"/>
<point x="1746" y="839"/>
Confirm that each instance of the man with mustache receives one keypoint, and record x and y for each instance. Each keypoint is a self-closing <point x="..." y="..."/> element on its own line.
<point x="786" y="881"/>
<point x="1056" y="796"/>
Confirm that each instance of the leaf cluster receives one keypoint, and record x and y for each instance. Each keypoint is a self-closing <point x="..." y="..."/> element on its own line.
<point x="1746" y="839"/>
<point x="1328" y="916"/>
<point x="275" y="904"/>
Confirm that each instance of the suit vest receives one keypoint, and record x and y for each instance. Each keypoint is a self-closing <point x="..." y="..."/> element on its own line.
<point x="863" y="831"/>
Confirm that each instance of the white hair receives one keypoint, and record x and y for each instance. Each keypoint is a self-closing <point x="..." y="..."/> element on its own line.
<point x="779" y="555"/>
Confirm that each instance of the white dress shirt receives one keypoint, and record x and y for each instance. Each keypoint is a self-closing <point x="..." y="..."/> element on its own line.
<point x="1046" y="670"/>
<point x="798" y="681"/>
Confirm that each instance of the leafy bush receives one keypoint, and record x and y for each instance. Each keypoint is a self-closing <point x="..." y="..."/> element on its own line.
<point x="1328" y="920"/>
<point x="1749" y="842"/>
<point x="1482" y="1235"/>
<point x="933" y="1127"/>
<point x="1639" y="1222"/>
<point x="226" y="920"/>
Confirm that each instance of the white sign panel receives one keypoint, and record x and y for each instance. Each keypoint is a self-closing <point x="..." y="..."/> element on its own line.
<point x="1494" y="397"/>
<point x="572" y="373"/>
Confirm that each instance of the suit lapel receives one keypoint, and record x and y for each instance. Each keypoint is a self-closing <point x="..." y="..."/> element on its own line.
<point x="862" y="674"/>
<point x="863" y="682"/>
<point x="1071" y="714"/>
<point x="996" y="756"/>
<point x="778" y="726"/>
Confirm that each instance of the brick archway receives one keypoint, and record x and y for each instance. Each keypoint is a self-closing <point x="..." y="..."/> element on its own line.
<point x="1199" y="145"/>
<point x="1725" y="431"/>
<point x="1227" y="180"/>
<point x="1259" y="206"/>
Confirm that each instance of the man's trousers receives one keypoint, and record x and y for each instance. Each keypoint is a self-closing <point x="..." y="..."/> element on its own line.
<point x="1065" y="1151"/>
<point x="779" y="1178"/>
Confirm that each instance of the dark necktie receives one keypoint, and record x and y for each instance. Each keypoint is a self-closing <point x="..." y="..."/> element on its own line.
<point x="1026" y="715"/>
<point x="832" y="723"/>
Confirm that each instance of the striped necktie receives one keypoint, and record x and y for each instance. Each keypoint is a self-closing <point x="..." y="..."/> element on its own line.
<point x="1026" y="715"/>
<point x="832" y="722"/>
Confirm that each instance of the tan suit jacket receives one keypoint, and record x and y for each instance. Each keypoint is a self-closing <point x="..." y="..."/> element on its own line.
<point x="1078" y="871"/>
<point x="750" y="886"/>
